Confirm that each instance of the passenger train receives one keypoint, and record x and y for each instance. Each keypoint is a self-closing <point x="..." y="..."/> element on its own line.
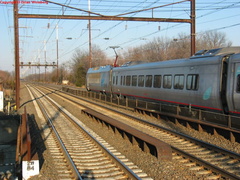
<point x="208" y="80"/>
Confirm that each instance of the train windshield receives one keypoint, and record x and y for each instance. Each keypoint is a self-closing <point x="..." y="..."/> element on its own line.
<point x="212" y="51"/>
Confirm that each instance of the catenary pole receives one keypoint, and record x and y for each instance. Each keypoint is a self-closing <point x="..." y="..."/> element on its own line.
<point x="16" y="53"/>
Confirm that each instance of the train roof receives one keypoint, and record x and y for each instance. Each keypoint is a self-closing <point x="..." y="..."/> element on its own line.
<point x="201" y="57"/>
<point x="212" y="56"/>
<point x="132" y="63"/>
<point x="216" y="52"/>
<point x="100" y="69"/>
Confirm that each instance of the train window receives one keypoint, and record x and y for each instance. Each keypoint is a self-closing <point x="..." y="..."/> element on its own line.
<point x="94" y="78"/>
<point x="178" y="81"/>
<point x="148" y="81"/>
<point x="128" y="80"/>
<point x="157" y="81"/>
<point x="167" y="81"/>
<point x="238" y="83"/>
<point x="134" y="80"/>
<point x="121" y="80"/>
<point x="192" y="82"/>
<point x="124" y="80"/>
<point x="113" y="80"/>
<point x="141" y="80"/>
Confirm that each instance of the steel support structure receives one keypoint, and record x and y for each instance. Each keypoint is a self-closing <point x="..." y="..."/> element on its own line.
<point x="193" y="28"/>
<point x="38" y="65"/>
<point x="104" y="18"/>
<point x="16" y="52"/>
<point x="95" y="16"/>
<point x="115" y="18"/>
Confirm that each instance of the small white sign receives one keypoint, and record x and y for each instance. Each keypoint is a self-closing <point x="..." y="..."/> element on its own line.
<point x="1" y="101"/>
<point x="30" y="168"/>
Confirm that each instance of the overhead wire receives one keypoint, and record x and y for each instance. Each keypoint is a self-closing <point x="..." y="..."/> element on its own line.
<point x="120" y="33"/>
<point x="225" y="7"/>
<point x="8" y="30"/>
<point x="139" y="4"/>
<point x="96" y="36"/>
<point x="127" y="6"/>
<point x="110" y="27"/>
<point x="51" y="33"/>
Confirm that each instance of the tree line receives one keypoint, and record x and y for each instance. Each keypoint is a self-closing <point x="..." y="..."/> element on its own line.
<point x="6" y="80"/>
<point x="157" y="49"/>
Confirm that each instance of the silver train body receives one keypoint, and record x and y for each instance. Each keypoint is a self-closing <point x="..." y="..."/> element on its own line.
<point x="208" y="80"/>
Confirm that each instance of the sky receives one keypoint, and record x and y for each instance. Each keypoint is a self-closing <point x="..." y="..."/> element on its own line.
<point x="38" y="36"/>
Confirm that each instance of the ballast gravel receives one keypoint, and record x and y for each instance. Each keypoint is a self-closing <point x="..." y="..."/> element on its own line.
<point x="155" y="168"/>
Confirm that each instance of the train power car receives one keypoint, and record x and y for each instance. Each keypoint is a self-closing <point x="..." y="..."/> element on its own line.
<point x="208" y="80"/>
<point x="99" y="79"/>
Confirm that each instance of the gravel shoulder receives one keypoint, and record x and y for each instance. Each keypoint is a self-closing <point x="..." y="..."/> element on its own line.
<point x="149" y="164"/>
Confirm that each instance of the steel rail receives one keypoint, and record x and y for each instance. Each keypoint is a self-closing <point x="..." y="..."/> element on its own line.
<point x="122" y="166"/>
<point x="186" y="137"/>
<point x="232" y="132"/>
<point x="194" y="140"/>
<point x="162" y="150"/>
<point x="74" y="169"/>
<point x="197" y="141"/>
<point x="191" y="120"/>
<point x="206" y="164"/>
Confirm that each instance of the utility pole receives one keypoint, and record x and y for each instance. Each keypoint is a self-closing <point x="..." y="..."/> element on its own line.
<point x="57" y="49"/>
<point x="45" y="58"/>
<point x="16" y="47"/>
<point x="90" y="36"/>
<point x="39" y="77"/>
<point x="193" y="28"/>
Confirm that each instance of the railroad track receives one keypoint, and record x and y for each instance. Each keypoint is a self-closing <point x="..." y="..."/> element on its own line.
<point x="52" y="142"/>
<point x="202" y="157"/>
<point x="78" y="152"/>
<point x="206" y="159"/>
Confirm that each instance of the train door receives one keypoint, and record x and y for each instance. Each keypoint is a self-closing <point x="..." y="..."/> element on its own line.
<point x="236" y="91"/>
<point x="223" y="94"/>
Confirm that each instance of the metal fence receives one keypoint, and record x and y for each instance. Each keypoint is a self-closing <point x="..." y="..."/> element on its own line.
<point x="197" y="114"/>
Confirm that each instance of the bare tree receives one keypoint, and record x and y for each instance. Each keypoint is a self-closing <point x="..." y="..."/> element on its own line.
<point x="180" y="46"/>
<point x="7" y="79"/>
<point x="132" y="54"/>
<point x="161" y="49"/>
<point x="211" y="40"/>
<point x="99" y="58"/>
<point x="80" y="63"/>
<point x="158" y="49"/>
<point x="155" y="50"/>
